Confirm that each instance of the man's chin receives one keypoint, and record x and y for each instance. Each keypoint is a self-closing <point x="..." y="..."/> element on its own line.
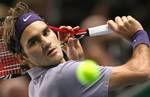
<point x="54" y="62"/>
<point x="58" y="61"/>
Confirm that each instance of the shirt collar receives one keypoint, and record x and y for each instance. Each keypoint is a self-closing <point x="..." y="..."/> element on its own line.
<point x="36" y="72"/>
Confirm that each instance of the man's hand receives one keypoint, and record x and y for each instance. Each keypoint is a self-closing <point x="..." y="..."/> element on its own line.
<point x="73" y="48"/>
<point x="125" y="26"/>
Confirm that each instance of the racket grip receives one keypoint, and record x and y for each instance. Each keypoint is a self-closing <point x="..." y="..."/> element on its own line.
<point x="99" y="30"/>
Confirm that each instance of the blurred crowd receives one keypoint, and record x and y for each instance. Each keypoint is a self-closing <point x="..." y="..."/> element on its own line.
<point x="106" y="50"/>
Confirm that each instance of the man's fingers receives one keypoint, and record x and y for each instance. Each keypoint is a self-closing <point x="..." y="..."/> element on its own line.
<point x="74" y="42"/>
<point x="76" y="28"/>
<point x="71" y="42"/>
<point x="69" y="28"/>
<point x="62" y="27"/>
<point x="135" y="23"/>
<point x="63" y="36"/>
<point x="132" y="20"/>
<point x="119" y="21"/>
<point x="72" y="51"/>
<point x="112" y="25"/>
<point x="125" y="21"/>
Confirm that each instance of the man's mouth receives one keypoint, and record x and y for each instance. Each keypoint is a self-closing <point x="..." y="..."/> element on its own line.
<point x="52" y="52"/>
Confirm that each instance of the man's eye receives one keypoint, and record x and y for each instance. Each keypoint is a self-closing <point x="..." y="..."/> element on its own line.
<point x="32" y="43"/>
<point x="46" y="33"/>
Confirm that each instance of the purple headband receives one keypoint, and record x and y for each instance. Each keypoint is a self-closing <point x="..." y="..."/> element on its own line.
<point x="22" y="22"/>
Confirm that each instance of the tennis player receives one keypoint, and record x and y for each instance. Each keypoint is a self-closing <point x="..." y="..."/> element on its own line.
<point x="52" y="76"/>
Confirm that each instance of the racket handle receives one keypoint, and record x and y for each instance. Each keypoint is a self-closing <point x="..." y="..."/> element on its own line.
<point x="99" y="30"/>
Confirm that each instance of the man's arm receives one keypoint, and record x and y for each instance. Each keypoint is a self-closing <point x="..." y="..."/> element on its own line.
<point x="137" y="69"/>
<point x="134" y="71"/>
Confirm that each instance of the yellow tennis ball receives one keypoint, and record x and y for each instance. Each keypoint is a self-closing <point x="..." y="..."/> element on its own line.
<point x="87" y="72"/>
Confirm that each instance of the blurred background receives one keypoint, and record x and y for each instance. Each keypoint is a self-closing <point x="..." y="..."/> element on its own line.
<point x="106" y="50"/>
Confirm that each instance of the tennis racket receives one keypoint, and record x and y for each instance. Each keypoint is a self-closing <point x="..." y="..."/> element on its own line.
<point x="10" y="66"/>
<point x="81" y="33"/>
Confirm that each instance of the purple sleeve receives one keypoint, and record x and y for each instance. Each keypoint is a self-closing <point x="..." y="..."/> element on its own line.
<point x="73" y="88"/>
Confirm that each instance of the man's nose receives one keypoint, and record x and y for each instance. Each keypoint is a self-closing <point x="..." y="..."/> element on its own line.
<point x="45" y="42"/>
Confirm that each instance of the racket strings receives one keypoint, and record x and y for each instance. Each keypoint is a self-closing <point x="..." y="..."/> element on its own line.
<point x="9" y="64"/>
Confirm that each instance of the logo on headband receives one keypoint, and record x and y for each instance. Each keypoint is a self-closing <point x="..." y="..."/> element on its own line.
<point x="25" y="19"/>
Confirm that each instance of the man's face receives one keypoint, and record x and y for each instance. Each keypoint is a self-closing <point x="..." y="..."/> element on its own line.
<point x="41" y="45"/>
